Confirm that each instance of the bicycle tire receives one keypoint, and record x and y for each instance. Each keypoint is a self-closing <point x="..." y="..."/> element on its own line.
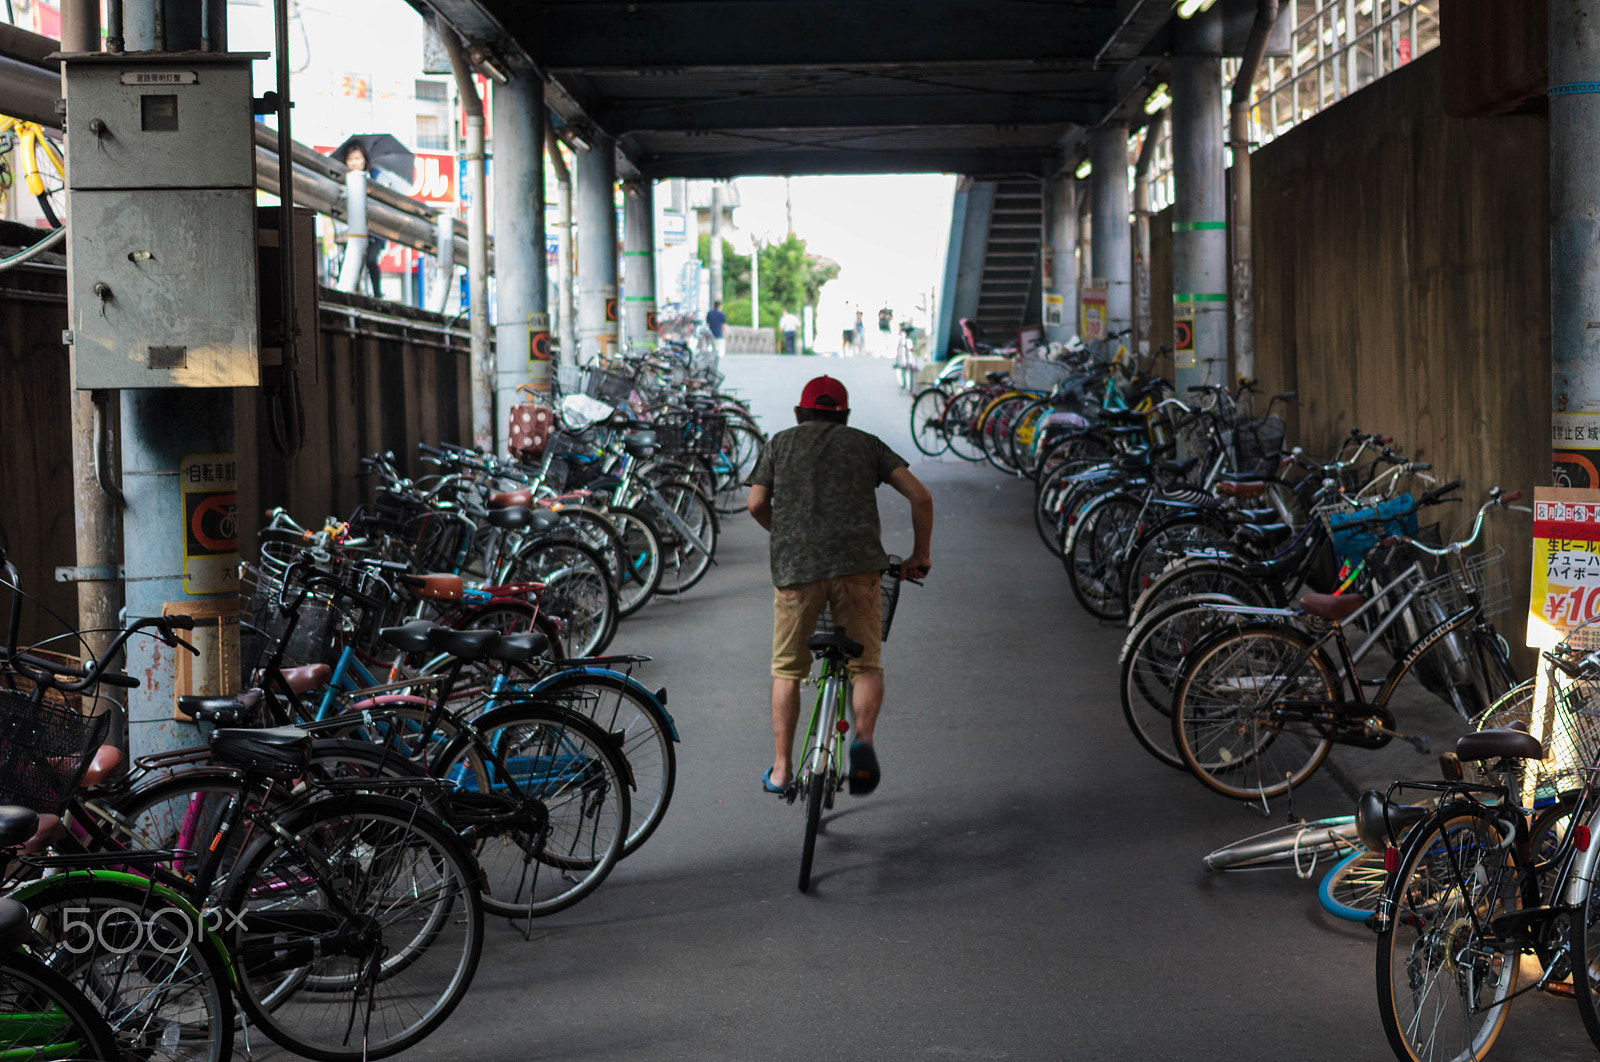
<point x="994" y="430"/>
<point x="31" y="997"/>
<point x="1149" y="664"/>
<point x="1584" y="941"/>
<point x="1354" y="886"/>
<point x="1454" y="874"/>
<point x="1185" y="578"/>
<point x="641" y="559"/>
<point x="287" y="892"/>
<point x="546" y="854"/>
<point x="577" y="589"/>
<point x="1025" y="432"/>
<point x="647" y="732"/>
<point x="960" y="419"/>
<point x="1165" y="541"/>
<point x="595" y="530"/>
<point x="927" y="424"/>
<point x="683" y="564"/>
<point x="1224" y="699"/>
<point x="816" y="789"/>
<point x="742" y="447"/>
<point x="166" y="996"/>
<point x="1096" y="549"/>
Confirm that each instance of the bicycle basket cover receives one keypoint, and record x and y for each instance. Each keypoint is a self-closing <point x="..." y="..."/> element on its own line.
<point x="1353" y="534"/>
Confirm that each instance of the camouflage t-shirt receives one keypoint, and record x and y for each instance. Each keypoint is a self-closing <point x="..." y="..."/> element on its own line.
<point x="824" y="478"/>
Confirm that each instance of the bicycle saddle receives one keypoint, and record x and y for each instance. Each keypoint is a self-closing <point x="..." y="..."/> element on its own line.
<point x="1380" y="822"/>
<point x="236" y="710"/>
<point x="639" y="443"/>
<point x="440" y="586"/>
<point x="848" y="646"/>
<point x="466" y="645"/>
<point x="519" y="518"/>
<point x="13" y="923"/>
<point x="413" y="637"/>
<point x="277" y="750"/>
<point x="509" y="499"/>
<point x="524" y="645"/>
<point x="16" y="825"/>
<point x="307" y="677"/>
<point x="1336" y="608"/>
<point x="1500" y="743"/>
<point x="1242" y="489"/>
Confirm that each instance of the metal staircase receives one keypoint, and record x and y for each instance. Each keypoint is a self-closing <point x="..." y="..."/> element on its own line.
<point x="1008" y="288"/>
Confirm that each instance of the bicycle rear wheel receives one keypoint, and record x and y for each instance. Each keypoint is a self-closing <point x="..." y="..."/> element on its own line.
<point x="927" y="424"/>
<point x="1443" y="984"/>
<point x="1152" y="657"/>
<point x="1096" y="550"/>
<point x="1228" y="719"/>
<point x="816" y="791"/>
<point x="1352" y="889"/>
<point x="359" y="932"/>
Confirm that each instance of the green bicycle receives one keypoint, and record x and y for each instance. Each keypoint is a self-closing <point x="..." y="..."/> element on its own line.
<point x="823" y="767"/>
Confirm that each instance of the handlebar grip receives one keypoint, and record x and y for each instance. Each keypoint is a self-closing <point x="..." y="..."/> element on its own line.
<point x="1438" y="493"/>
<point x="180" y="622"/>
<point x="1384" y="439"/>
<point x="125" y="682"/>
<point x="1508" y="498"/>
<point x="1195" y="389"/>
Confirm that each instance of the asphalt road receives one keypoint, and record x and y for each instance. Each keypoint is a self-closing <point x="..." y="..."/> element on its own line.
<point x="1025" y="884"/>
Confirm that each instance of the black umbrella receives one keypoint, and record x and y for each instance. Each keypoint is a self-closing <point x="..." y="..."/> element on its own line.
<point x="383" y="152"/>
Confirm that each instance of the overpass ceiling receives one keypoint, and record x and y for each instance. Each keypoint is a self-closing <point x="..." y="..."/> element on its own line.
<point x="721" y="88"/>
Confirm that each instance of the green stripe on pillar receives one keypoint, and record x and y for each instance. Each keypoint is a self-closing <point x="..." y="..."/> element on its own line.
<point x="1200" y="297"/>
<point x="1198" y="226"/>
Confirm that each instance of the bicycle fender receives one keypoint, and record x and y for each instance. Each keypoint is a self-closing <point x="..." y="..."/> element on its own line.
<point x="1585" y="867"/>
<point x="632" y="683"/>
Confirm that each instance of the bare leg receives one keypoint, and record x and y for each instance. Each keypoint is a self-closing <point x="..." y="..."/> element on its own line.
<point x="866" y="697"/>
<point x="785" y="714"/>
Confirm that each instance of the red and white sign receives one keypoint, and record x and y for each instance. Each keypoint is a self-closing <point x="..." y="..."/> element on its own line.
<point x="434" y="180"/>
<point x="397" y="258"/>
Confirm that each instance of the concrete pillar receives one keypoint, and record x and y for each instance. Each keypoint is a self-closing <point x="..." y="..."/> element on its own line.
<point x="716" y="243"/>
<point x="355" y="231"/>
<point x="1574" y="32"/>
<point x="1199" y="212"/>
<point x="1061" y="254"/>
<point x="1142" y="340"/>
<point x="565" y="274"/>
<point x="165" y="431"/>
<point x="639" y="262"/>
<point x="1112" y="253"/>
<point x="522" y="313"/>
<point x="474" y="187"/>
<point x="597" y="248"/>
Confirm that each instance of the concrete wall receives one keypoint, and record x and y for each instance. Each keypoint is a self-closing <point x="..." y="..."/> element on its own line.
<point x="1402" y="285"/>
<point x="743" y="339"/>
<point x="383" y="384"/>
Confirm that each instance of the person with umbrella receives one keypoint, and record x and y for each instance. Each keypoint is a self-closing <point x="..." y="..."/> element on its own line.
<point x="388" y="162"/>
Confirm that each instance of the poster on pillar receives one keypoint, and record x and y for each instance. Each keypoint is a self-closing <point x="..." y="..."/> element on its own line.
<point x="1575" y="442"/>
<point x="1183" y="355"/>
<point x="539" y="337"/>
<point x="1094" y="309"/>
<point x="1055" y="309"/>
<point x="210" y="531"/>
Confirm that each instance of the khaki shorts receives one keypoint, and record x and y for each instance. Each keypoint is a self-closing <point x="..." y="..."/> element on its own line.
<point x="857" y="610"/>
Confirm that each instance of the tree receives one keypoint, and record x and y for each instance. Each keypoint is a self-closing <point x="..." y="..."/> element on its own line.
<point x="791" y="277"/>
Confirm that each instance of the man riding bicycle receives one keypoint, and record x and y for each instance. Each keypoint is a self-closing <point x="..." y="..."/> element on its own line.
<point x="814" y="488"/>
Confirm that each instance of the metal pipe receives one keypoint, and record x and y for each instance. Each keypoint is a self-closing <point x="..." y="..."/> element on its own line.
<point x="716" y="244"/>
<point x="444" y="273"/>
<point x="477" y="243"/>
<point x="113" y="25"/>
<point x="1244" y="336"/>
<point x="564" y="273"/>
<point x="355" y="245"/>
<point x="139" y="25"/>
<point x="288" y="392"/>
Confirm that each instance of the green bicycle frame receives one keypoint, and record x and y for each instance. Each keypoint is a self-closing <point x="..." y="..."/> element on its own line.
<point x="824" y="746"/>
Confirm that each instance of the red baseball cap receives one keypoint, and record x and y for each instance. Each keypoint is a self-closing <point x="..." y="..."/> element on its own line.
<point x="824" y="392"/>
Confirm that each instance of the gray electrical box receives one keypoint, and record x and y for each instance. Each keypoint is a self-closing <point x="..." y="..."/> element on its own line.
<point x="161" y="238"/>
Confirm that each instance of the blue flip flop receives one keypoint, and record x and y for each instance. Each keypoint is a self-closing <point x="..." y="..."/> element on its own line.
<point x="864" y="774"/>
<point x="777" y="790"/>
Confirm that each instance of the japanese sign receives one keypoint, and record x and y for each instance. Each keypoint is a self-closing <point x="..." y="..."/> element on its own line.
<point x="210" y="528"/>
<point x="1183" y="334"/>
<point x="1565" y="587"/>
<point x="1054" y="308"/>
<point x="539" y="337"/>
<point x="1094" y="309"/>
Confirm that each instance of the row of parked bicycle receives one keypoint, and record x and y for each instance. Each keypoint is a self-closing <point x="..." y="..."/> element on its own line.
<point x="427" y="739"/>
<point x="1254" y="581"/>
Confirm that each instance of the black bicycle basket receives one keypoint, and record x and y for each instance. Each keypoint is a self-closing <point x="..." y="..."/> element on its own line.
<point x="44" y="751"/>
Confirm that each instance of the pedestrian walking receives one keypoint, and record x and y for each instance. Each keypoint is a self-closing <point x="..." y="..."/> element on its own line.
<point x="717" y="322"/>
<point x="789" y="325"/>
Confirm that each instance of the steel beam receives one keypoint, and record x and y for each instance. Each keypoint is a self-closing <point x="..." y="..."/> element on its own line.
<point x="826" y="112"/>
<point x="1012" y="162"/>
<point x="595" y="34"/>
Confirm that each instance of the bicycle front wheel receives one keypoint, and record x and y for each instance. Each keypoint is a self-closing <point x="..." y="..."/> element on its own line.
<point x="43" y="1016"/>
<point x="927" y="421"/>
<point x="1245" y="711"/>
<point x="1352" y="889"/>
<point x="816" y="791"/>
<point x="548" y="797"/>
<point x="356" y="932"/>
<point x="1443" y="979"/>
<point x="1152" y="656"/>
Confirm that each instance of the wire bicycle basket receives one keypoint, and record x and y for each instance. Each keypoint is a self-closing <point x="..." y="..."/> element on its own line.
<point x="44" y="751"/>
<point x="888" y="595"/>
<point x="1486" y="572"/>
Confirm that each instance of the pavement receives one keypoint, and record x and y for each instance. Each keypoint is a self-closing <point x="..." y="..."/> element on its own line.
<point x="1025" y="884"/>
